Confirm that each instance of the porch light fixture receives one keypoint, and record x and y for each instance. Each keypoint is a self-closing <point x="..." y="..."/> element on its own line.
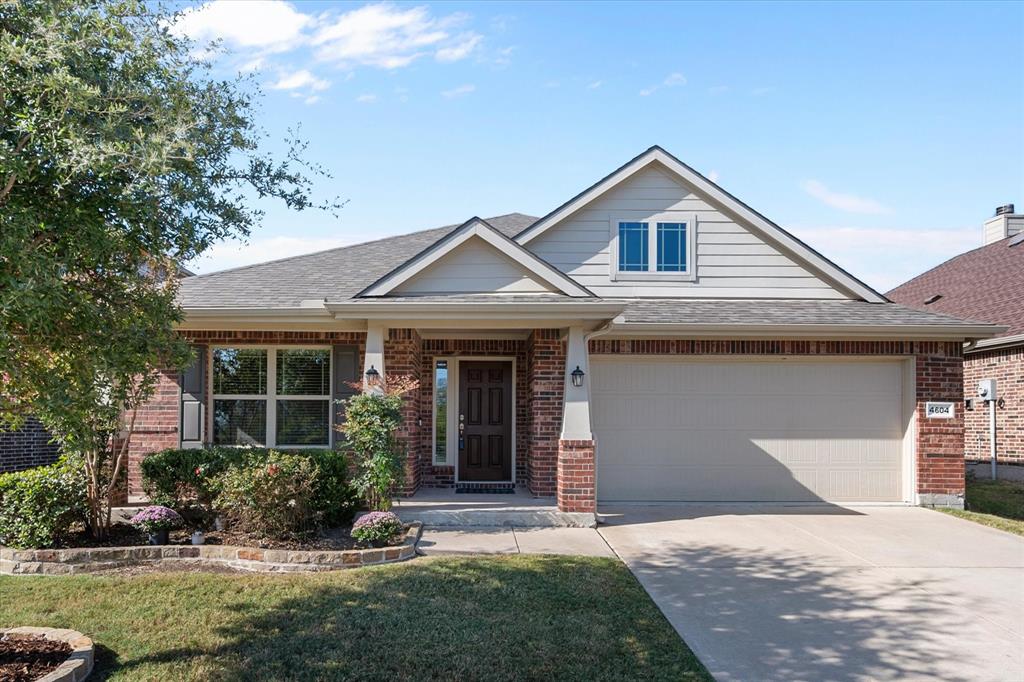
<point x="372" y="375"/>
<point x="577" y="377"/>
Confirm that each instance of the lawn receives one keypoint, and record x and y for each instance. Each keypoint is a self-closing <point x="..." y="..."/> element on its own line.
<point x="999" y="504"/>
<point x="503" y="618"/>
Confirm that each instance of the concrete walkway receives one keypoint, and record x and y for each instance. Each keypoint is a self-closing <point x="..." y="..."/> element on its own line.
<point x="510" y="540"/>
<point x="831" y="593"/>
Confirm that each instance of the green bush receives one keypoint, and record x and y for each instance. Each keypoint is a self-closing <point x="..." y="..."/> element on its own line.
<point x="39" y="506"/>
<point x="271" y="496"/>
<point x="190" y="481"/>
<point x="371" y="422"/>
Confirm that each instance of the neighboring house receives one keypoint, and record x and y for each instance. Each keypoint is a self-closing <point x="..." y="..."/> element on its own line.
<point x="652" y="339"/>
<point x="985" y="284"/>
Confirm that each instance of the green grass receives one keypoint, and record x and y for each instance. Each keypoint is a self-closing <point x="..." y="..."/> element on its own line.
<point x="503" y="618"/>
<point x="999" y="504"/>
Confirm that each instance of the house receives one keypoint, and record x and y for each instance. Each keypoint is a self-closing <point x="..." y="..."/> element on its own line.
<point x="985" y="284"/>
<point x="651" y="339"/>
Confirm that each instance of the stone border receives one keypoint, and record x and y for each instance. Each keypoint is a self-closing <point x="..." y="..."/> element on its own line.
<point x="80" y="660"/>
<point x="90" y="559"/>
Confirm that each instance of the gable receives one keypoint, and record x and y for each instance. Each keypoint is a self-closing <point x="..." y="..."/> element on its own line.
<point x="731" y="260"/>
<point x="474" y="267"/>
<point x="742" y="231"/>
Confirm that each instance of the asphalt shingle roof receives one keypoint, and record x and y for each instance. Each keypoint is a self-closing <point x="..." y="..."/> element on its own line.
<point x="983" y="284"/>
<point x="776" y="311"/>
<point x="336" y="274"/>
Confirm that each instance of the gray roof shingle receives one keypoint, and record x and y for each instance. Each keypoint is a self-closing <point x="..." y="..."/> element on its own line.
<point x="336" y="274"/>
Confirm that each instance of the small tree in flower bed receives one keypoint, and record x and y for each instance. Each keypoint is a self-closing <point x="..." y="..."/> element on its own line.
<point x="376" y="527"/>
<point x="154" y="519"/>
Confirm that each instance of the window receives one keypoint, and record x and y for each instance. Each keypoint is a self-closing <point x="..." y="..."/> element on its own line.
<point x="633" y="247"/>
<point x="441" y="412"/>
<point x="661" y="246"/>
<point x="272" y="396"/>
<point x="671" y="247"/>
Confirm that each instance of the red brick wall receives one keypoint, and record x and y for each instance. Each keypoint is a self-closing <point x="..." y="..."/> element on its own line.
<point x="546" y="375"/>
<point x="444" y="476"/>
<point x="157" y="422"/>
<point x="577" y="482"/>
<point x="403" y="356"/>
<point x="939" y="442"/>
<point x="1006" y="366"/>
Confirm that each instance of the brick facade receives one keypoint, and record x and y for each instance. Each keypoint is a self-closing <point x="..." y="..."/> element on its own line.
<point x="26" y="447"/>
<point x="545" y="352"/>
<point x="1006" y="366"/>
<point x="403" y="355"/>
<point x="939" y="377"/>
<point x="577" y="476"/>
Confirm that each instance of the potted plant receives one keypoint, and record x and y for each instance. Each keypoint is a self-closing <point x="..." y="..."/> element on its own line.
<point x="157" y="522"/>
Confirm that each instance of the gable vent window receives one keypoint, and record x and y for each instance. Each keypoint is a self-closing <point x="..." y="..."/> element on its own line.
<point x="274" y="397"/>
<point x="658" y="247"/>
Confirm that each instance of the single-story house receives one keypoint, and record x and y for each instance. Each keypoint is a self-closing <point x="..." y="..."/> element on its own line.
<point x="986" y="283"/>
<point x="652" y="339"/>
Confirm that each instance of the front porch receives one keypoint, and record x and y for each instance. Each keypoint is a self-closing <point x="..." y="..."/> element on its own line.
<point x="444" y="507"/>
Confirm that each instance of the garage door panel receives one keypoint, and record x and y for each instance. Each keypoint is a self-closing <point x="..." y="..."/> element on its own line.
<point x="748" y="431"/>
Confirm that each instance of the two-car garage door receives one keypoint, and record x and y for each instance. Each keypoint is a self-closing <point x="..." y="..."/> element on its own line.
<point x="748" y="429"/>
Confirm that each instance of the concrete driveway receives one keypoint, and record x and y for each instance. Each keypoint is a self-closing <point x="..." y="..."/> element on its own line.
<point x="831" y="593"/>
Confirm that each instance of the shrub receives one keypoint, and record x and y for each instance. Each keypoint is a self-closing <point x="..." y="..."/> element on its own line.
<point x="156" y="518"/>
<point x="371" y="421"/>
<point x="189" y="481"/>
<point x="376" y="526"/>
<point x="39" y="506"/>
<point x="272" y="496"/>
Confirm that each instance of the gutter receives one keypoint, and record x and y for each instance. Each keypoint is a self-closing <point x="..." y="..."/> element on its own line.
<point x="974" y="346"/>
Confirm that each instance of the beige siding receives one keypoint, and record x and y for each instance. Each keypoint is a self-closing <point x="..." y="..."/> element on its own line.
<point x="731" y="260"/>
<point x="473" y="267"/>
<point x="758" y="431"/>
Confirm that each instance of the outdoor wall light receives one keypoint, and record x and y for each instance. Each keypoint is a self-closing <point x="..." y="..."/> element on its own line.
<point x="577" y="377"/>
<point x="372" y="374"/>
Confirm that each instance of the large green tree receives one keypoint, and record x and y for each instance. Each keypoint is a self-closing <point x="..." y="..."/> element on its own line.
<point x="122" y="155"/>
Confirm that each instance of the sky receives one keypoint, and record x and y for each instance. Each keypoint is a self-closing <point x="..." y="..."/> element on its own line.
<point x="882" y="134"/>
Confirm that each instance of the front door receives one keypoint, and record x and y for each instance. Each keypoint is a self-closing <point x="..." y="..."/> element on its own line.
<point x="485" y="421"/>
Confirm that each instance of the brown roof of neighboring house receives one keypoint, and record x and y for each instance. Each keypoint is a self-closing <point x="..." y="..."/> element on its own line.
<point x="985" y="284"/>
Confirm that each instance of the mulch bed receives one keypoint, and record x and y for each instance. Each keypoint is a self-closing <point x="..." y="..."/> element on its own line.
<point x="24" y="658"/>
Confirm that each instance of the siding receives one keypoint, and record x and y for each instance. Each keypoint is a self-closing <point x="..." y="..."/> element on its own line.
<point x="732" y="262"/>
<point x="474" y="267"/>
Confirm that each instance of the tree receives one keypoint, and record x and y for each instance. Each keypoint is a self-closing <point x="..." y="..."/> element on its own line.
<point x="121" y="156"/>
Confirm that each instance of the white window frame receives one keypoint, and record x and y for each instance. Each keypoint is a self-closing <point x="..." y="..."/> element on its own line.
<point x="450" y="430"/>
<point x="271" y="396"/>
<point x="652" y="220"/>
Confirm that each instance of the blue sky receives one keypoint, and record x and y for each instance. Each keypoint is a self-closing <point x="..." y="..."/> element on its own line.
<point x="882" y="134"/>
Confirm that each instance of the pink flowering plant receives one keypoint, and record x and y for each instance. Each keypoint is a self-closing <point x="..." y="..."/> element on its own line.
<point x="156" y="518"/>
<point x="376" y="527"/>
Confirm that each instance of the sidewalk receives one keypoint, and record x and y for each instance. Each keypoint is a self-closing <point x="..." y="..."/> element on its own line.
<point x="508" y="540"/>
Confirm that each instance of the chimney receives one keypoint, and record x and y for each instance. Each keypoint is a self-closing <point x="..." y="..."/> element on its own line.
<point x="1004" y="224"/>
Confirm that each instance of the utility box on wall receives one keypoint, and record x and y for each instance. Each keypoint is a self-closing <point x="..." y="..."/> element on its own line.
<point x="987" y="389"/>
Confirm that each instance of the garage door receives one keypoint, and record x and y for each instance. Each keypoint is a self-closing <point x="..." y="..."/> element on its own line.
<point x="766" y="431"/>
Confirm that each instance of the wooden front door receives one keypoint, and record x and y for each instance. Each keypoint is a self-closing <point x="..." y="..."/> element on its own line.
<point x="485" y="421"/>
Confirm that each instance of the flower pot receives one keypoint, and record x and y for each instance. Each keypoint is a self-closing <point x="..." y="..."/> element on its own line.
<point x="220" y="523"/>
<point x="197" y="538"/>
<point x="160" y="537"/>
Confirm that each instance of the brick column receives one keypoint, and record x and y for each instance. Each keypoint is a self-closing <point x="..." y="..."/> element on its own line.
<point x="940" y="442"/>
<point x="545" y="353"/>
<point x="402" y="356"/>
<point x="156" y="428"/>
<point x="577" y="470"/>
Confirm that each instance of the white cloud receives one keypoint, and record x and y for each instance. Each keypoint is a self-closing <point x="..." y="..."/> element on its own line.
<point x="760" y="92"/>
<point x="300" y="79"/>
<point x="851" y="203"/>
<point x="551" y="85"/>
<point x="266" y="24"/>
<point x="460" y="50"/>
<point x="713" y="175"/>
<point x="232" y="254"/>
<point x="595" y="85"/>
<point x="673" y="80"/>
<point x="389" y="37"/>
<point x="648" y="91"/>
<point x="312" y="99"/>
<point x="367" y="98"/>
<point x="458" y="91"/>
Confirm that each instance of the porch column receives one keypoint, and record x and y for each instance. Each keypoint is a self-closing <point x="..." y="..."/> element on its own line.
<point x="577" y="463"/>
<point x="374" y="356"/>
<point x="403" y="349"/>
